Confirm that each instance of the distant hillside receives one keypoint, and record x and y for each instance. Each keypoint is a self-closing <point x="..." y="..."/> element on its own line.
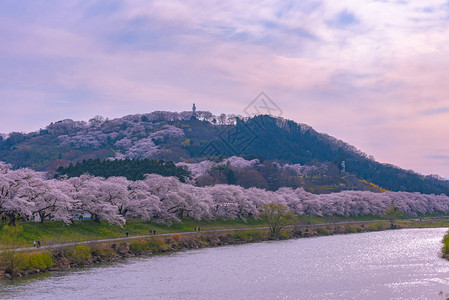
<point x="270" y="175"/>
<point x="189" y="138"/>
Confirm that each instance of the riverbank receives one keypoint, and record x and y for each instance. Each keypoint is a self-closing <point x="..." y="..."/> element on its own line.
<point x="23" y="263"/>
<point x="389" y="264"/>
<point x="51" y="233"/>
<point x="77" y="254"/>
<point x="57" y="258"/>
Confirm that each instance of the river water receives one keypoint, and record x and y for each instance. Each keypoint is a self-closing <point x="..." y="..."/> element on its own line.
<point x="399" y="264"/>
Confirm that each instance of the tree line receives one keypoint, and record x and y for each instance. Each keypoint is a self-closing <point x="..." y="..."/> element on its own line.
<point x="131" y="169"/>
<point x="24" y="194"/>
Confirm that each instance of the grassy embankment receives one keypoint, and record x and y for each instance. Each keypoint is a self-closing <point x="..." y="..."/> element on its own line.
<point x="58" y="232"/>
<point x="21" y="263"/>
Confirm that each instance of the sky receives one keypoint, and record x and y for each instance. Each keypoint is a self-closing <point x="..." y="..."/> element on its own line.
<point x="372" y="73"/>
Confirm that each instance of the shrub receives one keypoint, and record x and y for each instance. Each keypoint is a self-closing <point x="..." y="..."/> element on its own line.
<point x="157" y="244"/>
<point x="103" y="251"/>
<point x="78" y="254"/>
<point x="259" y="235"/>
<point x="176" y="237"/>
<point x="350" y="229"/>
<point x="323" y="231"/>
<point x="37" y="260"/>
<point x="249" y="235"/>
<point x="11" y="261"/>
<point x="203" y="241"/>
<point x="139" y="246"/>
<point x="241" y="235"/>
<point x="377" y="226"/>
<point x="445" y="249"/>
<point x="285" y="235"/>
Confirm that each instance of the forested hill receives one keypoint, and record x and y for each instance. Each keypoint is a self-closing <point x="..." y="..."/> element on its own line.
<point x="297" y="143"/>
<point x="190" y="138"/>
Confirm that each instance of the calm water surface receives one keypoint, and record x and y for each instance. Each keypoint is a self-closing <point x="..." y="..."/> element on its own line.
<point x="401" y="264"/>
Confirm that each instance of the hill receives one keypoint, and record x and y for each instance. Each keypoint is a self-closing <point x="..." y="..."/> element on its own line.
<point x="191" y="138"/>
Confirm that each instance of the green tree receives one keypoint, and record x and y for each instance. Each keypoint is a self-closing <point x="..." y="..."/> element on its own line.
<point x="392" y="214"/>
<point x="277" y="217"/>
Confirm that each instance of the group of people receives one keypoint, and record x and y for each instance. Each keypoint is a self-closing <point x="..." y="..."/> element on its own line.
<point x="197" y="229"/>
<point x="37" y="244"/>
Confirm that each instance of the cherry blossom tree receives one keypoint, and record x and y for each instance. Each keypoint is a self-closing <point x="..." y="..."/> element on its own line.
<point x="114" y="190"/>
<point x="166" y="189"/>
<point x="231" y="201"/>
<point x="56" y="203"/>
<point x="194" y="203"/>
<point x="24" y="193"/>
<point x="178" y="200"/>
<point x="89" y="197"/>
<point x="14" y="202"/>
<point x="47" y="198"/>
<point x="141" y="201"/>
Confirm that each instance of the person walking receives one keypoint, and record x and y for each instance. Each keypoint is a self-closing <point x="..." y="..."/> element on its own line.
<point x="34" y="243"/>
<point x="38" y="243"/>
<point x="127" y="234"/>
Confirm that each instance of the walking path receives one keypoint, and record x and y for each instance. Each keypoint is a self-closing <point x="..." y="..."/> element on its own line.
<point x="52" y="246"/>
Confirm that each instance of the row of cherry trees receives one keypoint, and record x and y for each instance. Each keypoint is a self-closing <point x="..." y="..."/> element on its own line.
<point x="25" y="193"/>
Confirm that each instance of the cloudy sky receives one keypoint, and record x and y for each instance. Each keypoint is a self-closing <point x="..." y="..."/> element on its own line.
<point x="373" y="73"/>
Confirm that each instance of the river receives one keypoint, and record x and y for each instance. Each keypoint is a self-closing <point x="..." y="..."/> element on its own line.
<point x="399" y="264"/>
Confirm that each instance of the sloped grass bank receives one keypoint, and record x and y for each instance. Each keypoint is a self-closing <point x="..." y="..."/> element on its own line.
<point x="12" y="264"/>
<point x="50" y="233"/>
<point x="22" y="263"/>
<point x="57" y="232"/>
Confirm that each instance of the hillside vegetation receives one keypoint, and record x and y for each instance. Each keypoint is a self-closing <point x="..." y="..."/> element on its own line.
<point x="131" y="169"/>
<point x="184" y="137"/>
